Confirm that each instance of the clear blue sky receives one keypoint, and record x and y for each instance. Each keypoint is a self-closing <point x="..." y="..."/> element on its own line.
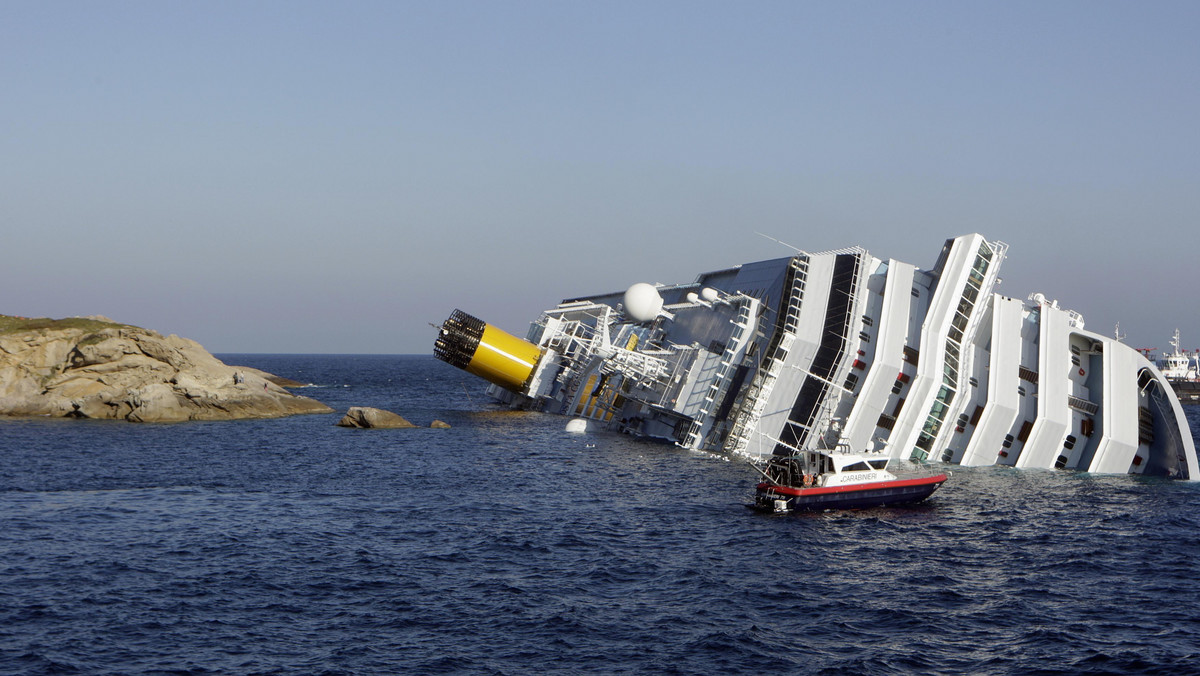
<point x="331" y="177"/>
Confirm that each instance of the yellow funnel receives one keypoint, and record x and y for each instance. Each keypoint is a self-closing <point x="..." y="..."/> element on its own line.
<point x="486" y="351"/>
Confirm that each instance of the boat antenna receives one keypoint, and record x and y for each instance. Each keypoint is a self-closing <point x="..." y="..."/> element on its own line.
<point x="793" y="248"/>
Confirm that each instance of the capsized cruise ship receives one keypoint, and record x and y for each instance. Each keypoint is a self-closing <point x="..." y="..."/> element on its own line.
<point x="841" y="349"/>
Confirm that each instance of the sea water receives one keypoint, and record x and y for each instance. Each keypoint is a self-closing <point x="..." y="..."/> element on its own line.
<point x="505" y="545"/>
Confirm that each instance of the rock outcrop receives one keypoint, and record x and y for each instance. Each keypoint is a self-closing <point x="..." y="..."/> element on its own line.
<point x="372" y="418"/>
<point x="96" y="368"/>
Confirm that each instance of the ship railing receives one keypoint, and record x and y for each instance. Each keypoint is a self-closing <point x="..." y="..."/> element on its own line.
<point x="756" y="397"/>
<point x="904" y="469"/>
<point x="726" y="366"/>
<point x="834" y="390"/>
<point x="760" y="392"/>
<point x="845" y="250"/>
<point x="796" y="297"/>
<point x="1080" y="404"/>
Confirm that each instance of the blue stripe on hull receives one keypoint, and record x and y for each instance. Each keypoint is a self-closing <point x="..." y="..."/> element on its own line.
<point x="852" y="499"/>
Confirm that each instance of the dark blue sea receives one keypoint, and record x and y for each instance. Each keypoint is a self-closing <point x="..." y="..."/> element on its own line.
<point x="505" y="545"/>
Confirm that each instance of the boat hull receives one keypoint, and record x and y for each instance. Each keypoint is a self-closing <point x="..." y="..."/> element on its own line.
<point x="774" y="498"/>
<point x="1187" y="391"/>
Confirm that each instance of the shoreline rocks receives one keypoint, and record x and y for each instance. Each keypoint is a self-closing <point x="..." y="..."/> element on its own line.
<point x="96" y="368"/>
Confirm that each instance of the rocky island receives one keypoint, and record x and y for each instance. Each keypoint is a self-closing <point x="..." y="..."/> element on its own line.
<point x="93" y="367"/>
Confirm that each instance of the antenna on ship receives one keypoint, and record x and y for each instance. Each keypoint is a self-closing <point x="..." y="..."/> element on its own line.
<point x="793" y="248"/>
<point x="1118" y="335"/>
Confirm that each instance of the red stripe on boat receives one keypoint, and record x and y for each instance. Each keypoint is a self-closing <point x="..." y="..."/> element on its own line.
<point x="824" y="490"/>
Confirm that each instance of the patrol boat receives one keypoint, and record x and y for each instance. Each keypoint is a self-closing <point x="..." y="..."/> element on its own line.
<point x="819" y="480"/>
<point x="1181" y="371"/>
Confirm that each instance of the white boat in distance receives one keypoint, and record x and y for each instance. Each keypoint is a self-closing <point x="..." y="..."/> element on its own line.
<point x="1180" y="369"/>
<point x="841" y="349"/>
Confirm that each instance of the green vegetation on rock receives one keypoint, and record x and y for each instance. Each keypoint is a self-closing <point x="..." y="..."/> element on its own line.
<point x="10" y="324"/>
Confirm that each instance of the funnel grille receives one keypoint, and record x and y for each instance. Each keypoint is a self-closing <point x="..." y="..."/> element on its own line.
<point x="459" y="339"/>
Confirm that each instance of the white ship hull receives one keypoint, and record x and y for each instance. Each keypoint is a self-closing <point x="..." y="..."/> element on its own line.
<point x="817" y="350"/>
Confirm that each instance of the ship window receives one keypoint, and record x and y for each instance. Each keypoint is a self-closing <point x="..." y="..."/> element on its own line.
<point x="896" y="388"/>
<point x="864" y="337"/>
<point x="1021" y="390"/>
<point x="951" y="366"/>
<point x="916" y="294"/>
<point x="1074" y="349"/>
<point x="868" y="321"/>
<point x="851" y="381"/>
<point x="973" y="381"/>
<point x="938" y="410"/>
<point x="878" y="464"/>
<point x="1075" y="361"/>
<point x="1061" y="462"/>
<point x="947" y="455"/>
<point x="856" y="467"/>
<point x="945" y="395"/>
<point x="1070" y="442"/>
<point x="1008" y="441"/>
<point x="983" y="257"/>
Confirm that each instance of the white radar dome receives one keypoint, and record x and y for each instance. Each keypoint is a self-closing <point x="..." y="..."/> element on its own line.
<point x="709" y="294"/>
<point x="642" y="302"/>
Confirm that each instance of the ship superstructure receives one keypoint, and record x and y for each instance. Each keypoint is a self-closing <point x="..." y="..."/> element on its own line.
<point x="843" y="349"/>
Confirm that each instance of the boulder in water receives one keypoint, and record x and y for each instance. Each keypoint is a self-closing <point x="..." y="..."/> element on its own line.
<point x="365" y="417"/>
